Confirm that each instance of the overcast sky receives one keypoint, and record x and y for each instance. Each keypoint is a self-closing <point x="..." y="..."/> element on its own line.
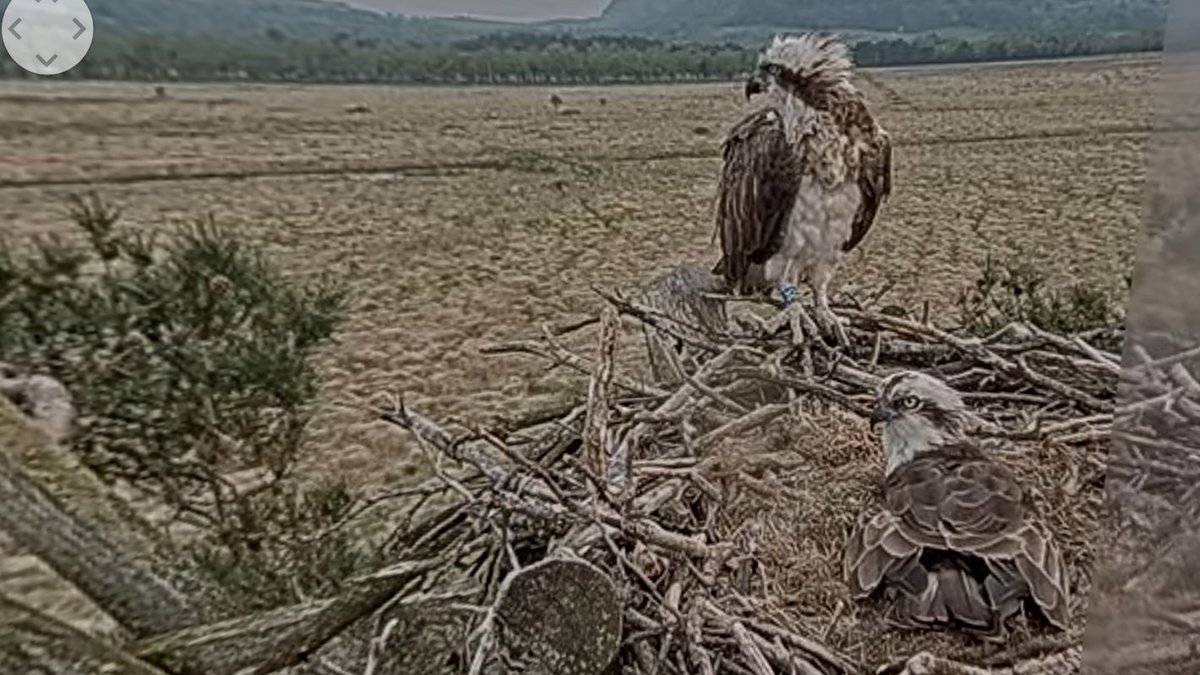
<point x="519" y="10"/>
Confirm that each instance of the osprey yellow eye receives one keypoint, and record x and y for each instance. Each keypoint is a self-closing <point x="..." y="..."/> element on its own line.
<point x="910" y="403"/>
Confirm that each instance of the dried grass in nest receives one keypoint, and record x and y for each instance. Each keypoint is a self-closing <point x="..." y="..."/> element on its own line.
<point x="798" y="490"/>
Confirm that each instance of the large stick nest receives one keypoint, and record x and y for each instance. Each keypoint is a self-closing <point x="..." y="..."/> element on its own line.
<point x="717" y="492"/>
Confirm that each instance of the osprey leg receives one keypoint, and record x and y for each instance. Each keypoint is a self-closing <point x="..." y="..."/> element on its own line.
<point x="829" y="322"/>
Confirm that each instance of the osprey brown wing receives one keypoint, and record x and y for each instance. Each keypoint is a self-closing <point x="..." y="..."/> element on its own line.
<point x="759" y="181"/>
<point x="874" y="183"/>
<point x="972" y="516"/>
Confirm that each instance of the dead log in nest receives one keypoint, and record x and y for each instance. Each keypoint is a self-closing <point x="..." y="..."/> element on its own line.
<point x="558" y="617"/>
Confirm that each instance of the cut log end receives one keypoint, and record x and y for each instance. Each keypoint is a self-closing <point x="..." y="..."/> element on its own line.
<point x="560" y="617"/>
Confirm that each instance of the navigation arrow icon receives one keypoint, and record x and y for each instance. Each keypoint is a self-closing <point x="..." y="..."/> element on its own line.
<point x="13" y="28"/>
<point x="82" y="29"/>
<point x="46" y="62"/>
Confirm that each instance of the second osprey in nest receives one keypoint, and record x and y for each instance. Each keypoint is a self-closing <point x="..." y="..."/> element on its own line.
<point x="959" y="543"/>
<point x="803" y="176"/>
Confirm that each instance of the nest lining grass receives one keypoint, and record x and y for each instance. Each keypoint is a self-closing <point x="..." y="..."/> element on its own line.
<point x="801" y="485"/>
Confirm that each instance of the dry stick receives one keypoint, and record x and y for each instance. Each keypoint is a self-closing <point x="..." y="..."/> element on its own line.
<point x="427" y="431"/>
<point x="988" y="357"/>
<point x="678" y="401"/>
<point x="693" y="625"/>
<point x="550" y="350"/>
<point x="1153" y="365"/>
<point x="540" y="417"/>
<point x="1099" y="356"/>
<point x="898" y="348"/>
<point x="808" y="387"/>
<point x="1075" y="362"/>
<point x="599" y="406"/>
<point x="660" y="321"/>
<point x="1080" y="397"/>
<point x="776" y="649"/>
<point x="806" y="645"/>
<point x="542" y="507"/>
<point x="755" y="420"/>
<point x="754" y="656"/>
<point x="573" y="327"/>
<point x="837" y="615"/>
<point x="715" y="395"/>
<point x="377" y="647"/>
<point x="1060" y="663"/>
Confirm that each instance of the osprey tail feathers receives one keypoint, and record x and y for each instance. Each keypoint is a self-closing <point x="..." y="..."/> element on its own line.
<point x="952" y="597"/>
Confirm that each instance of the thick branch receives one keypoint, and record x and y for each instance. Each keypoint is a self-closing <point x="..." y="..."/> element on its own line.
<point x="270" y="641"/>
<point x="63" y="514"/>
<point x="31" y="642"/>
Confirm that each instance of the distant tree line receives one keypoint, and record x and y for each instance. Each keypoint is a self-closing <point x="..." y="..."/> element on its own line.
<point x="690" y="18"/>
<point x="524" y="59"/>
<point x="935" y="49"/>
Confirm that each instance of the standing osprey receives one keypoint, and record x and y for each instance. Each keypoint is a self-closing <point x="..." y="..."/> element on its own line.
<point x="958" y="544"/>
<point x="803" y="176"/>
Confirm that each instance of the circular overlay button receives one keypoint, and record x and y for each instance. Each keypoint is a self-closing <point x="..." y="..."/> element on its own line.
<point x="47" y="37"/>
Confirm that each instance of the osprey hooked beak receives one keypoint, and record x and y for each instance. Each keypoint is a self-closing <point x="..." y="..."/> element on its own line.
<point x="757" y="83"/>
<point x="754" y="85"/>
<point x="881" y="414"/>
<point x="761" y="79"/>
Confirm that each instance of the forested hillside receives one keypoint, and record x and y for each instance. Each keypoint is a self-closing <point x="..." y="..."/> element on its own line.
<point x="635" y="41"/>
<point x="300" y="18"/>
<point x="521" y="58"/>
<point x="691" y="20"/>
<point x="699" y="17"/>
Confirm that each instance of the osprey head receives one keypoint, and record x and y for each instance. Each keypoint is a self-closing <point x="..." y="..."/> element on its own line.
<point x="793" y="63"/>
<point x="919" y="413"/>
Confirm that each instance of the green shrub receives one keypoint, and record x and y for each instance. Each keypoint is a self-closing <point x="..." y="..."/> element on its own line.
<point x="284" y="545"/>
<point x="1017" y="291"/>
<point x="189" y="357"/>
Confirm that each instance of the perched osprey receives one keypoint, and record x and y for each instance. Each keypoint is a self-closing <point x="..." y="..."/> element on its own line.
<point x="958" y="544"/>
<point x="803" y="176"/>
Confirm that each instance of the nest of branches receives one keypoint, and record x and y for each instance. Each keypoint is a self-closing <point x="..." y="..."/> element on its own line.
<point x="691" y="519"/>
<point x="1148" y="611"/>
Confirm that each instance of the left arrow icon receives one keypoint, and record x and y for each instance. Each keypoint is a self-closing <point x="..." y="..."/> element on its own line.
<point x="13" y="28"/>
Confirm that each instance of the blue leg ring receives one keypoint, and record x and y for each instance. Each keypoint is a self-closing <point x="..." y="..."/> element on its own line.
<point x="788" y="293"/>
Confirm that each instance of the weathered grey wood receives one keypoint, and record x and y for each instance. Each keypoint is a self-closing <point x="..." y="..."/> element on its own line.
<point x="62" y="513"/>
<point x="46" y="403"/>
<point x="681" y="293"/>
<point x="270" y="641"/>
<point x="560" y="617"/>
<point x="32" y="643"/>
<point x="1065" y="662"/>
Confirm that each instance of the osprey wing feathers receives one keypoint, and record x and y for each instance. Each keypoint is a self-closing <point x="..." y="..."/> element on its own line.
<point x="874" y="183"/>
<point x="957" y="546"/>
<point x="755" y="195"/>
